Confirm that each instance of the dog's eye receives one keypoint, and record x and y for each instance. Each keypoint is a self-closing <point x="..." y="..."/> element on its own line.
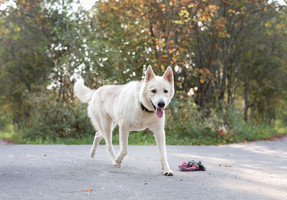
<point x="153" y="91"/>
<point x="165" y="91"/>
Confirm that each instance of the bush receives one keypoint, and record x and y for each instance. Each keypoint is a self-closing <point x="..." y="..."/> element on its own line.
<point x="187" y="125"/>
<point x="51" y="119"/>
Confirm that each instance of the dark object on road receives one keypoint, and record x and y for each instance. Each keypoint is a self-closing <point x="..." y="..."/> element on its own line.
<point x="192" y="166"/>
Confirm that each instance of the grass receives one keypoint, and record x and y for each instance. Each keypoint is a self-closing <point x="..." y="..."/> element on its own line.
<point x="248" y="132"/>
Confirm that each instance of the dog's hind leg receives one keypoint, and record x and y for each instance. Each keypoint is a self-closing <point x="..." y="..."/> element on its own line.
<point x="124" y="135"/>
<point x="97" y="139"/>
<point x="105" y="125"/>
<point x="109" y="126"/>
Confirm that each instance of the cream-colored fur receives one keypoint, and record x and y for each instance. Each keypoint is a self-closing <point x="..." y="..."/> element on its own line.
<point x="113" y="105"/>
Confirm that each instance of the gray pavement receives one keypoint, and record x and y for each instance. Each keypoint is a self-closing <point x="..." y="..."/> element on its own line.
<point x="256" y="170"/>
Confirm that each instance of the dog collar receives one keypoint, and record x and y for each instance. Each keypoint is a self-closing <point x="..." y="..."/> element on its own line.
<point x="145" y="109"/>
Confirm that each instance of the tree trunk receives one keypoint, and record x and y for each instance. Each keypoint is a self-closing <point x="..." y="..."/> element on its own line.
<point x="246" y="101"/>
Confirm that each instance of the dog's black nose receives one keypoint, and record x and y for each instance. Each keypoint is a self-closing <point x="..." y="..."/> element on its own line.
<point x="161" y="104"/>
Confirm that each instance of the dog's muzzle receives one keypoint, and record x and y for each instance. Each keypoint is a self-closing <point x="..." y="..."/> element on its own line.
<point x="159" y="110"/>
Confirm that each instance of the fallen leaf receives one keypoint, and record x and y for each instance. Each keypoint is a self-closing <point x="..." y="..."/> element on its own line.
<point x="87" y="190"/>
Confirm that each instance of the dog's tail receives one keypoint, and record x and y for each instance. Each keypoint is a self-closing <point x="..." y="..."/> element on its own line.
<point x="82" y="92"/>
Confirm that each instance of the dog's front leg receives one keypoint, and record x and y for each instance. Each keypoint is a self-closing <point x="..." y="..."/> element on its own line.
<point x="160" y="140"/>
<point x="124" y="138"/>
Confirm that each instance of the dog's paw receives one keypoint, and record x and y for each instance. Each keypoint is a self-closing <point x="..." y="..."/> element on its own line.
<point x="167" y="173"/>
<point x="114" y="162"/>
<point x="118" y="164"/>
<point x="92" y="154"/>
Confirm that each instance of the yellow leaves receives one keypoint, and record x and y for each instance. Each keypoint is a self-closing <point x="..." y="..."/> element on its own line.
<point x="17" y="28"/>
<point x="184" y="13"/>
<point x="232" y="11"/>
<point x="223" y="34"/>
<point x="213" y="7"/>
<point x="191" y="5"/>
<point x="178" y="21"/>
<point x="203" y="18"/>
<point x="268" y="24"/>
<point x="206" y="13"/>
<point x="163" y="7"/>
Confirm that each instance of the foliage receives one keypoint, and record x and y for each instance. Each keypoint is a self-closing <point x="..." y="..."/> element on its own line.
<point x="228" y="59"/>
<point x="55" y="119"/>
<point x="56" y="123"/>
<point x="186" y="125"/>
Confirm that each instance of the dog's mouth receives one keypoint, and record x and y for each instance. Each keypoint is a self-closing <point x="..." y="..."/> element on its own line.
<point x="158" y="111"/>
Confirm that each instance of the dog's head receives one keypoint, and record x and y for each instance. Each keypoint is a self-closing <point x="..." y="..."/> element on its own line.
<point x="158" y="90"/>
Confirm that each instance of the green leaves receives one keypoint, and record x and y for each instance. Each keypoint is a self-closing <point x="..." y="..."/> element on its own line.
<point x="232" y="51"/>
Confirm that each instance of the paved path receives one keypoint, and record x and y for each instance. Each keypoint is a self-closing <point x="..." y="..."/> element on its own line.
<point x="256" y="170"/>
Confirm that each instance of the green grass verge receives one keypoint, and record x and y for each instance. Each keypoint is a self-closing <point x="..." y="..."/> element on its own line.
<point x="245" y="133"/>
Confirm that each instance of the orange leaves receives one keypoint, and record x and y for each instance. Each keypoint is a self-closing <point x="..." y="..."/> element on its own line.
<point x="191" y="5"/>
<point x="221" y="22"/>
<point x="222" y="131"/>
<point x="220" y="27"/>
<point x="225" y="165"/>
<point x="204" y="75"/>
<point x="232" y="11"/>
<point x="163" y="7"/>
<point x="87" y="190"/>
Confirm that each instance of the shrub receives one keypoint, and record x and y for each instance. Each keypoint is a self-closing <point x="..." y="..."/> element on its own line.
<point x="51" y="119"/>
<point x="187" y="125"/>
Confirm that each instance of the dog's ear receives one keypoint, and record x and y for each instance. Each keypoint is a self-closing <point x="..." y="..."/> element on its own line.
<point x="149" y="74"/>
<point x="168" y="74"/>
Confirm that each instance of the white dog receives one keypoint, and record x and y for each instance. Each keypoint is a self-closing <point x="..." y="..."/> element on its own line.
<point x="134" y="106"/>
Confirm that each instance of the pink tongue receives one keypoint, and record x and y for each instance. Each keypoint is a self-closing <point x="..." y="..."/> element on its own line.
<point x="159" y="112"/>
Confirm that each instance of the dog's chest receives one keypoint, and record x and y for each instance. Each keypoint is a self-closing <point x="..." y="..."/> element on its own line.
<point x="142" y="122"/>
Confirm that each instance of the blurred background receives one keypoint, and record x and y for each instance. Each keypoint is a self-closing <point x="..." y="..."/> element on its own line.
<point x="229" y="60"/>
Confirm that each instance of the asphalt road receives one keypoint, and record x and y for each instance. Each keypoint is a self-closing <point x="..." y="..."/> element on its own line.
<point x="256" y="170"/>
